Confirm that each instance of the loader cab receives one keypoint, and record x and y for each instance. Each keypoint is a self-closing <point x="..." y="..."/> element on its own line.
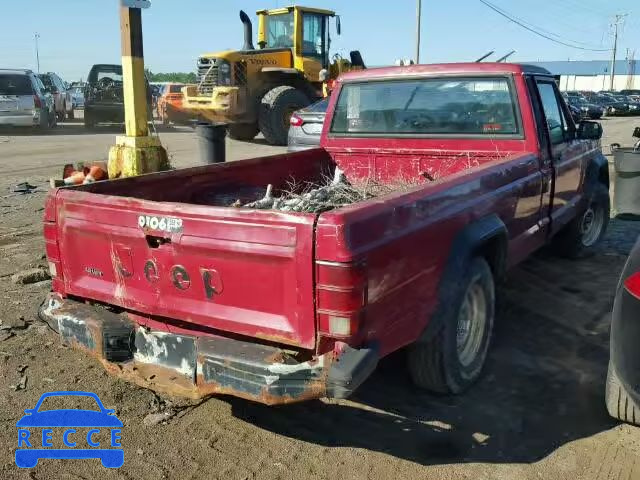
<point x="304" y="30"/>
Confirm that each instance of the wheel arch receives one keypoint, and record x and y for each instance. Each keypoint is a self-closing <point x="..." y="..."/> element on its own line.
<point x="486" y="237"/>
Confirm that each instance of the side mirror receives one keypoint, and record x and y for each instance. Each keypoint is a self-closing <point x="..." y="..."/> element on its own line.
<point x="338" y="25"/>
<point x="589" y="130"/>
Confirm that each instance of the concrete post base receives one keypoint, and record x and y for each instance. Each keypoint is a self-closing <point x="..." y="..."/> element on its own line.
<point x="132" y="156"/>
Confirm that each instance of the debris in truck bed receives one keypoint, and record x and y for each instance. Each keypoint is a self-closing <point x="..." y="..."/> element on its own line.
<point x="323" y="196"/>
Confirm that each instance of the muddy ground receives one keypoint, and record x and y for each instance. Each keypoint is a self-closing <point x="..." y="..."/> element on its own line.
<point x="537" y="412"/>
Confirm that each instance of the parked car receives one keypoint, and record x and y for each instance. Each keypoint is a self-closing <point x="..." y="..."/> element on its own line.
<point x="104" y="95"/>
<point x="623" y="379"/>
<point x="634" y="105"/>
<point x="24" y="100"/>
<point x="632" y="93"/>
<point x="612" y="106"/>
<point x="170" y="104"/>
<point x="279" y="301"/>
<point x="77" y="97"/>
<point x="306" y="126"/>
<point x="61" y="97"/>
<point x="586" y="108"/>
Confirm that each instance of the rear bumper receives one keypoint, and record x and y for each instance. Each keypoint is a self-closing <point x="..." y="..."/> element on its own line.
<point x="199" y="366"/>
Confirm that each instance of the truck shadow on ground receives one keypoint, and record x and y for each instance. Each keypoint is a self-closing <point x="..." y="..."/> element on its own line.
<point x="543" y="385"/>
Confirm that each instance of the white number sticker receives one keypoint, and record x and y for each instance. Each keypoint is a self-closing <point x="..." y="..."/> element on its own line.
<point x="166" y="224"/>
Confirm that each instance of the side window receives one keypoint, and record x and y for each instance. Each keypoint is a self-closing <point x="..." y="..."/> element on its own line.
<point x="556" y="121"/>
<point x="312" y="35"/>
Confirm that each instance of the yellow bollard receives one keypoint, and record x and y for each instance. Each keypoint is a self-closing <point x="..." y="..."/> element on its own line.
<point x="136" y="152"/>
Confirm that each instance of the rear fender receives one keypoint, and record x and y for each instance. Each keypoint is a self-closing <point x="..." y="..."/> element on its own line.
<point x="486" y="237"/>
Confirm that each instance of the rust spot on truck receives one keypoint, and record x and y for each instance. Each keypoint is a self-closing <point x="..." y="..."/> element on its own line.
<point x="186" y="365"/>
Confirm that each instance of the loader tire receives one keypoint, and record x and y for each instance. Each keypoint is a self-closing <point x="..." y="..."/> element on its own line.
<point x="452" y="359"/>
<point x="275" y="112"/>
<point x="619" y="403"/>
<point x="243" y="131"/>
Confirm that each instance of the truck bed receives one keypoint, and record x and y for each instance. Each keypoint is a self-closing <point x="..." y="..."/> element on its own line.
<point x="170" y="246"/>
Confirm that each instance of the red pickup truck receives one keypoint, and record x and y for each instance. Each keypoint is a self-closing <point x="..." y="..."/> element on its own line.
<point x="171" y="285"/>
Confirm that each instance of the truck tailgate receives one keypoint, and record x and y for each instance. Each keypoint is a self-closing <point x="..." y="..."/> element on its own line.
<point x="237" y="270"/>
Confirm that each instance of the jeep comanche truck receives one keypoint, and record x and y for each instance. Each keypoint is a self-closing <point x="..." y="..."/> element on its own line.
<point x="184" y="293"/>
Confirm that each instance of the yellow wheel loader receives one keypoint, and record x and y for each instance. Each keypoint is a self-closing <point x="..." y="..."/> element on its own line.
<point x="257" y="90"/>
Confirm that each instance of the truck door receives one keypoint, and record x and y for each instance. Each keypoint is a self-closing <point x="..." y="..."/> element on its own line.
<point x="567" y="155"/>
<point x="314" y="45"/>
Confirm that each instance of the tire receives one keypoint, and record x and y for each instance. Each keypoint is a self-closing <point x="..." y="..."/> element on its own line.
<point x="89" y="122"/>
<point x="276" y="108"/>
<point x="579" y="240"/>
<point x="619" y="403"/>
<point x="451" y="361"/>
<point x="45" y="121"/>
<point x="243" y="131"/>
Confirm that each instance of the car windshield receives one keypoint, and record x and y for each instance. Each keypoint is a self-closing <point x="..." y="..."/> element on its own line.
<point x="439" y="106"/>
<point x="318" y="107"/>
<point x="279" y="30"/>
<point x="15" y="85"/>
<point x="175" y="88"/>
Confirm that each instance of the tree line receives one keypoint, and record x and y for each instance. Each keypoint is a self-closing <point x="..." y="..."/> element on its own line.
<point x="177" y="77"/>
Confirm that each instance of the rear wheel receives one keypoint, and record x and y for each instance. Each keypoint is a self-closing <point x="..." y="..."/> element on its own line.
<point x="243" y="131"/>
<point x="452" y="360"/>
<point x="275" y="112"/>
<point x="581" y="238"/>
<point x="620" y="404"/>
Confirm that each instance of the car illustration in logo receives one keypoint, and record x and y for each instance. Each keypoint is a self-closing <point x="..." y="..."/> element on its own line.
<point x="32" y="446"/>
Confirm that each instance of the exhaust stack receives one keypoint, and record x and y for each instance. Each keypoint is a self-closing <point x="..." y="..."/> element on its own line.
<point x="248" y="31"/>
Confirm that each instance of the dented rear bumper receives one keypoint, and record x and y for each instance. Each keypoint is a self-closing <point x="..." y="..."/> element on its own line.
<point x="198" y="366"/>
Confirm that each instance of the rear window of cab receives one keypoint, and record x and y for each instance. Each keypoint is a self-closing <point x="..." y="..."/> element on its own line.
<point x="447" y="106"/>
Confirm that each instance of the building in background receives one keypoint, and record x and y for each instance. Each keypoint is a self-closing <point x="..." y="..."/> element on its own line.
<point x="594" y="75"/>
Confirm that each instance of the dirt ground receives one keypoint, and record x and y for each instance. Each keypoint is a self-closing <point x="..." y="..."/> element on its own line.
<point x="537" y="413"/>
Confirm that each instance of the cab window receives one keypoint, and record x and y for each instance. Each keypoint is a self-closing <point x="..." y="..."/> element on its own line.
<point x="556" y="121"/>
<point x="280" y="30"/>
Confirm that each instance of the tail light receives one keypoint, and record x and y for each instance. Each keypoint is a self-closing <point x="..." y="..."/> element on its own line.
<point x="341" y="296"/>
<point x="51" y="242"/>
<point x="632" y="284"/>
<point x="296" y="121"/>
<point x="37" y="102"/>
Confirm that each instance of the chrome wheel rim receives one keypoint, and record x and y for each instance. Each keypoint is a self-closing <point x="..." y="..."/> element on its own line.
<point x="472" y="322"/>
<point x="591" y="225"/>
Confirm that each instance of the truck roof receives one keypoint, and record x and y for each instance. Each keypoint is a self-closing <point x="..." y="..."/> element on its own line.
<point x="444" y="69"/>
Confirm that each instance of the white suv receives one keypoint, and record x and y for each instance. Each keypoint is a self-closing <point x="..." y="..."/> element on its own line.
<point x="24" y="101"/>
